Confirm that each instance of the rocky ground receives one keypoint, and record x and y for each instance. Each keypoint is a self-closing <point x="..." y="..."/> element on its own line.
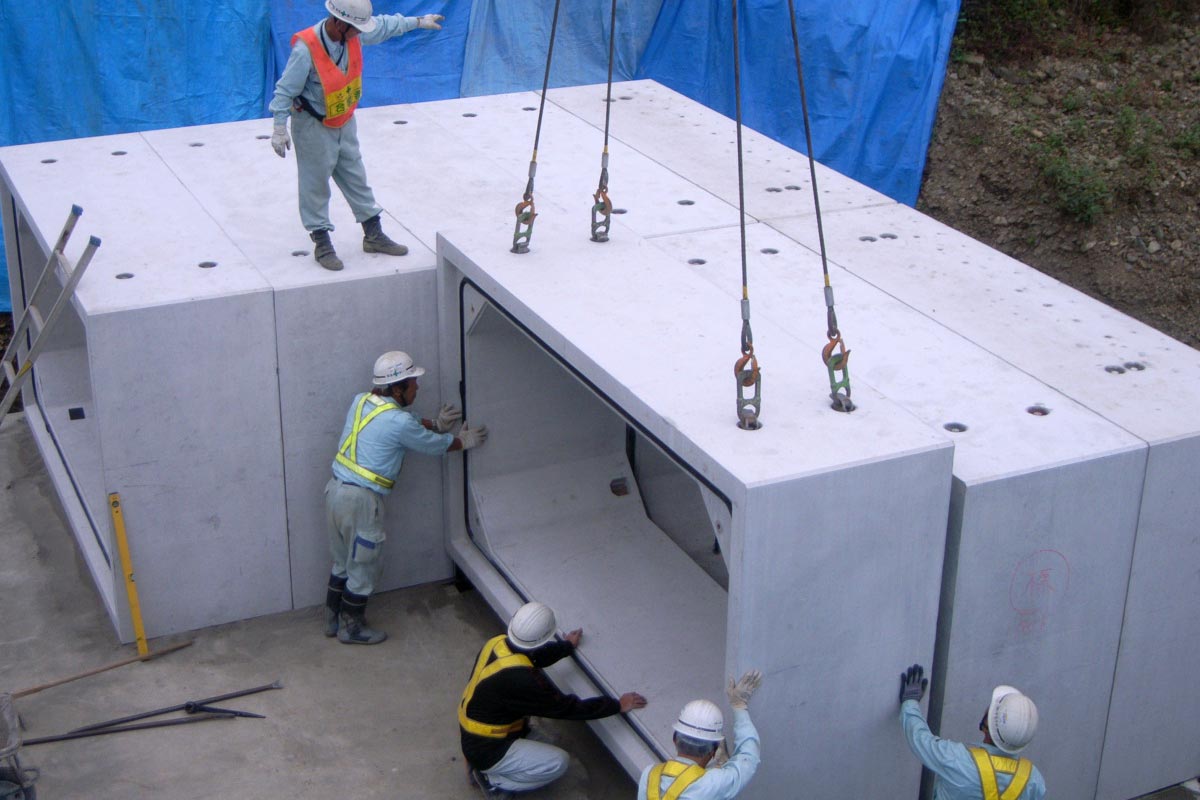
<point x="1084" y="164"/>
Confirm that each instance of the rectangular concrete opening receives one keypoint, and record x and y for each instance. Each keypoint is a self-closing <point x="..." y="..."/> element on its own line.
<point x="575" y="506"/>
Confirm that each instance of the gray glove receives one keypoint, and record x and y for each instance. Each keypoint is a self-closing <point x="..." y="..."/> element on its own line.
<point x="472" y="437"/>
<point x="447" y="416"/>
<point x="913" y="684"/>
<point x="430" y="22"/>
<point x="739" y="693"/>
<point x="281" y="142"/>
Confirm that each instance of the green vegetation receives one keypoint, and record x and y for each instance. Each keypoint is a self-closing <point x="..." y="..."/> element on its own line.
<point x="1080" y="190"/>
<point x="1188" y="141"/>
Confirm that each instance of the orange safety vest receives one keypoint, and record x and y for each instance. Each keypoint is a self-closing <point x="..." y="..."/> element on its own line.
<point x="342" y="89"/>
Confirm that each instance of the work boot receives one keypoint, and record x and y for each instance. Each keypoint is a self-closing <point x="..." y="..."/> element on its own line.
<point x="333" y="604"/>
<point x="324" y="253"/>
<point x="353" y="618"/>
<point x="477" y="778"/>
<point x="376" y="241"/>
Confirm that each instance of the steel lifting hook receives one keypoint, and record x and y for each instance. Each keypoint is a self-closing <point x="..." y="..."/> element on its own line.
<point x="838" y="362"/>
<point x="601" y="206"/>
<point x="746" y="371"/>
<point x="525" y="217"/>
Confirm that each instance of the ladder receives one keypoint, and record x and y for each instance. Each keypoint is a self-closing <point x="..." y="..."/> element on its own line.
<point x="32" y="319"/>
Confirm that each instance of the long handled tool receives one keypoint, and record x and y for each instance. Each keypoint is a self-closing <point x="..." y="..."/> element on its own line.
<point x="161" y="723"/>
<point x="190" y="706"/>
<point x="98" y="670"/>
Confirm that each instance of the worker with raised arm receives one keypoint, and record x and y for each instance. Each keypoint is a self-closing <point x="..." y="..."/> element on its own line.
<point x="380" y="429"/>
<point x="319" y="89"/>
<point x="506" y="688"/>
<point x="699" y="732"/>
<point x="993" y="770"/>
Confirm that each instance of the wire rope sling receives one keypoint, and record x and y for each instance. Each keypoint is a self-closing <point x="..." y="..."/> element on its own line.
<point x="601" y="205"/>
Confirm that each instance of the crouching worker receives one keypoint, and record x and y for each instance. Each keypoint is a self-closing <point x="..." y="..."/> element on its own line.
<point x="507" y="687"/>
<point x="698" y="734"/>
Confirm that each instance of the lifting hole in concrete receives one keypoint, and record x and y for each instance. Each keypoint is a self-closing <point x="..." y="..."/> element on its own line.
<point x="529" y="108"/>
<point x="866" y="238"/>
<point x="124" y="276"/>
<point x="888" y="236"/>
<point x="1136" y="366"/>
<point x="955" y="427"/>
<point x="399" y="122"/>
<point x="1047" y="305"/>
<point x="75" y="413"/>
<point x="118" y="152"/>
<point x="263" y="136"/>
<point x="791" y="187"/>
<point x="299" y="252"/>
<point x="687" y="202"/>
<point x="470" y="114"/>
<point x="626" y="97"/>
<point x="196" y="144"/>
<point x="207" y="264"/>
<point x="695" y="262"/>
<point x="619" y="487"/>
<point x="768" y="251"/>
<point x="49" y="160"/>
<point x="1115" y="370"/>
<point x="1038" y="410"/>
<point x="618" y="211"/>
<point x="774" y="189"/>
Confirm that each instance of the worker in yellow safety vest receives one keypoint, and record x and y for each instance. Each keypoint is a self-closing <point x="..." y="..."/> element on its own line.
<point x="991" y="771"/>
<point x="699" y="733"/>
<point x="379" y="430"/>
<point x="319" y="89"/>
<point x="507" y="687"/>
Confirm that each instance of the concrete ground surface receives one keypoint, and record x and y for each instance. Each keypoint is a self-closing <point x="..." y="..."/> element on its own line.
<point x="350" y="722"/>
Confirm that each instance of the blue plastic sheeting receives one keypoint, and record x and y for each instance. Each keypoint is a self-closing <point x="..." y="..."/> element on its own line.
<point x="84" y="68"/>
<point x="420" y="65"/>
<point x="509" y="40"/>
<point x="873" y="73"/>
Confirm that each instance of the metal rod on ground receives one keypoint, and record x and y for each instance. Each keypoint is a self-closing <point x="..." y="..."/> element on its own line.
<point x="149" y="656"/>
<point x="131" y="592"/>
<point x="162" y="723"/>
<point x="180" y="707"/>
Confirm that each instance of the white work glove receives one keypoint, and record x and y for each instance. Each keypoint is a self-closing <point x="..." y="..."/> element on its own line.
<point x="739" y="693"/>
<point x="447" y="416"/>
<point x="472" y="437"/>
<point x="430" y="22"/>
<point x="280" y="141"/>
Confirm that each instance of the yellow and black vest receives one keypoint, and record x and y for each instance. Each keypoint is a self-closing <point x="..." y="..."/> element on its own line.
<point x="988" y="765"/>
<point x="684" y="776"/>
<point x="494" y="657"/>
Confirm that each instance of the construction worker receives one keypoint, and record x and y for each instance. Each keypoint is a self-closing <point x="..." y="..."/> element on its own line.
<point x="699" y="732"/>
<point x="319" y="89"/>
<point x="379" y="430"/>
<point x="993" y="771"/>
<point x="507" y="687"/>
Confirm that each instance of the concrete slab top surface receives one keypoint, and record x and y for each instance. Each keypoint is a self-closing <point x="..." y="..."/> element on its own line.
<point x="602" y="309"/>
<point x="1003" y="420"/>
<point x="1124" y="370"/>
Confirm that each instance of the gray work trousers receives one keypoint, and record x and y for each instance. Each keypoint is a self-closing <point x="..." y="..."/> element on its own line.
<point x="323" y="153"/>
<point x="356" y="535"/>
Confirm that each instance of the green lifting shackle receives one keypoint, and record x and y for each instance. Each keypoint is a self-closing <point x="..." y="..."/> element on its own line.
<point x="524" y="210"/>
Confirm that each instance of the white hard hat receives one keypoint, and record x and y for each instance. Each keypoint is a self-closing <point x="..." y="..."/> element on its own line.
<point x="532" y="626"/>
<point x="1012" y="719"/>
<point x="395" y="365"/>
<point x="703" y="720"/>
<point x="355" y="12"/>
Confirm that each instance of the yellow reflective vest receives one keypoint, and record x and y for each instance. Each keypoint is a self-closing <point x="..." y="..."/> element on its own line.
<point x="494" y="657"/>
<point x="988" y="765"/>
<point x="684" y="776"/>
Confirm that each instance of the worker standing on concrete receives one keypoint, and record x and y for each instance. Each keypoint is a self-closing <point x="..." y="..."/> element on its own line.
<point x="319" y="89"/>
<point x="379" y="430"/>
<point x="507" y="687"/>
<point x="699" y="732"/>
<point x="991" y="771"/>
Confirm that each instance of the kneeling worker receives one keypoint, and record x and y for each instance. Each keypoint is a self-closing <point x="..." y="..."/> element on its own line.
<point x="507" y="687"/>
<point x="968" y="773"/>
<point x="379" y="430"/>
<point x="698" y="733"/>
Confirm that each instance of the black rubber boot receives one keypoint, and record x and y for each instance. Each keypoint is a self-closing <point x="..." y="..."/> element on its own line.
<point x="324" y="253"/>
<point x="353" y="628"/>
<point x="333" y="604"/>
<point x="376" y="241"/>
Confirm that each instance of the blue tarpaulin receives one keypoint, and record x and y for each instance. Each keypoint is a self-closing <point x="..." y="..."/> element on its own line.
<point x="873" y="71"/>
